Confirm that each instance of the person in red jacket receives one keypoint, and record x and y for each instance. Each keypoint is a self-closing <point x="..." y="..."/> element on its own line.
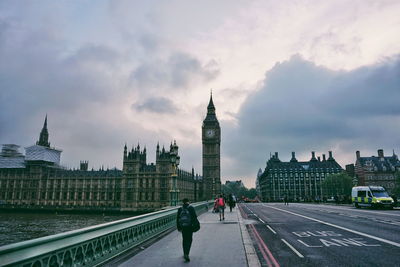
<point x="221" y="206"/>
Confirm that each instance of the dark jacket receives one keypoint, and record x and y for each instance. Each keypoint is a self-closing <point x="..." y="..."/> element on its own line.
<point x="192" y="214"/>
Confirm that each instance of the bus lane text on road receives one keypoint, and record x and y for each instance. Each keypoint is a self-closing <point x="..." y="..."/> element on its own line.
<point x="320" y="239"/>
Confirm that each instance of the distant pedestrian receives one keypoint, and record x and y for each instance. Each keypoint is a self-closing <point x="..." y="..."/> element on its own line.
<point x="286" y="199"/>
<point x="231" y="202"/>
<point x="221" y="206"/>
<point x="336" y="199"/>
<point x="216" y="210"/>
<point x="187" y="223"/>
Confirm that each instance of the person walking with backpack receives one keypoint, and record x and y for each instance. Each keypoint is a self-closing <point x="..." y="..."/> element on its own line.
<point x="187" y="223"/>
<point x="231" y="202"/>
<point x="221" y="207"/>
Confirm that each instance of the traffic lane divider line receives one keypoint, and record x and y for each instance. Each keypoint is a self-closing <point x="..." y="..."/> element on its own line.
<point x="350" y="209"/>
<point x="261" y="220"/>
<point x="270" y="228"/>
<point x="270" y="256"/>
<point x="292" y="248"/>
<point x="341" y="227"/>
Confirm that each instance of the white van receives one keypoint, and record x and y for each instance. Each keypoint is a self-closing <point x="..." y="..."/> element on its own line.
<point x="371" y="196"/>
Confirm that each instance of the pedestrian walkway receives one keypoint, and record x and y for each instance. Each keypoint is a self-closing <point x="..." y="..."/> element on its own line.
<point x="217" y="243"/>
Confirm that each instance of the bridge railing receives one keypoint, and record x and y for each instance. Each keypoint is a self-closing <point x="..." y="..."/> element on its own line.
<point x="93" y="245"/>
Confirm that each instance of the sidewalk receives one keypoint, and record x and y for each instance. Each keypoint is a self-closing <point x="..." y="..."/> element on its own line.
<point x="217" y="243"/>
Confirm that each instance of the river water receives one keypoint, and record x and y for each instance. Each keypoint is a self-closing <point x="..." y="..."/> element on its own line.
<point x="18" y="226"/>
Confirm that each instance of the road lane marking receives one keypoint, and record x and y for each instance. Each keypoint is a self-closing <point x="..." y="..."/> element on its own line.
<point x="350" y="209"/>
<point x="266" y="249"/>
<point x="292" y="248"/>
<point x="308" y="245"/>
<point x="272" y="230"/>
<point x="340" y="227"/>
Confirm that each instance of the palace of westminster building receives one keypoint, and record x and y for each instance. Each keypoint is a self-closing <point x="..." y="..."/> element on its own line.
<point x="37" y="180"/>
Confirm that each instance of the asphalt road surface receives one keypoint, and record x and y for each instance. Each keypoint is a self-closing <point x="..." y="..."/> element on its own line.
<point x="323" y="235"/>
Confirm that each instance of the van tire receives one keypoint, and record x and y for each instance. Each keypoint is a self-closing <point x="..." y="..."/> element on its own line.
<point x="356" y="205"/>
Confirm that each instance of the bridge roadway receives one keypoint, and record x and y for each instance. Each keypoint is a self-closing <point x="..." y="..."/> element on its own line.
<point x="323" y="235"/>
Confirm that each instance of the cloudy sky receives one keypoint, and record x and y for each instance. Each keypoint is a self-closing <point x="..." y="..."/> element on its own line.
<point x="286" y="76"/>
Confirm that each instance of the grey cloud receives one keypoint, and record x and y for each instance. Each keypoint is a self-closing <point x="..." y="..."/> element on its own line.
<point x="38" y="75"/>
<point x="302" y="107"/>
<point x="156" y="105"/>
<point x="177" y="72"/>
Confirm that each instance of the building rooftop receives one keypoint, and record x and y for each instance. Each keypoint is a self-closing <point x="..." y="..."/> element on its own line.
<point x="10" y="157"/>
<point x="275" y="164"/>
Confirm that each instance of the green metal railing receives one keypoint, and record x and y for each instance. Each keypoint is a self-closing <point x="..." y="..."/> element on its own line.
<point x="93" y="245"/>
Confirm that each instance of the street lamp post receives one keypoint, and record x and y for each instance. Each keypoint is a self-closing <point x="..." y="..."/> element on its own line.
<point x="174" y="192"/>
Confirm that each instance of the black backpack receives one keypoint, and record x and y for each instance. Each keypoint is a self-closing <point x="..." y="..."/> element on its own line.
<point x="185" y="219"/>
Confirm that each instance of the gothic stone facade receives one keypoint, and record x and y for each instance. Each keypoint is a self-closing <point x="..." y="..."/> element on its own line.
<point x="37" y="180"/>
<point x="153" y="186"/>
<point x="211" y="137"/>
<point x="377" y="170"/>
<point x="295" y="179"/>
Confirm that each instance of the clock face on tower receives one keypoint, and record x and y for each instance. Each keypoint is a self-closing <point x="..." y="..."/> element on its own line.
<point x="209" y="133"/>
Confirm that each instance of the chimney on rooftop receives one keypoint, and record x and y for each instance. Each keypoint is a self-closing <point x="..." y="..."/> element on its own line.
<point x="313" y="156"/>
<point x="330" y="156"/>
<point x="293" y="159"/>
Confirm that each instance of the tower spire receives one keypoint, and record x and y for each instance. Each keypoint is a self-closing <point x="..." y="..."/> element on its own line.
<point x="44" y="135"/>
<point x="45" y="122"/>
<point x="211" y="106"/>
<point x="211" y="116"/>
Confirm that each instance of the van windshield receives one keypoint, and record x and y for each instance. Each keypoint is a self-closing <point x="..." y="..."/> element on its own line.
<point x="380" y="193"/>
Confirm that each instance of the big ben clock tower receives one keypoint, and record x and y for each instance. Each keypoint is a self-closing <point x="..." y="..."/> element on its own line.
<point x="211" y="137"/>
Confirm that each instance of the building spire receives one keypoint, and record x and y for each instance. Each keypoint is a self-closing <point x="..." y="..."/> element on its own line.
<point x="211" y="106"/>
<point x="45" y="122"/>
<point x="211" y="116"/>
<point x="44" y="135"/>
